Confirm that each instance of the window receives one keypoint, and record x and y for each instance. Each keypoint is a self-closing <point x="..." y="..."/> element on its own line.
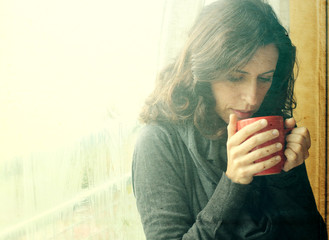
<point x="74" y="74"/>
<point x="73" y="77"/>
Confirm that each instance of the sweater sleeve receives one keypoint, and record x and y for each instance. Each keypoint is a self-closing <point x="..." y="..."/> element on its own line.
<point x="293" y="200"/>
<point x="161" y="196"/>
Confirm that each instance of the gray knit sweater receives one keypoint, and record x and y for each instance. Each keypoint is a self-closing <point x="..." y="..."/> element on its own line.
<point x="182" y="192"/>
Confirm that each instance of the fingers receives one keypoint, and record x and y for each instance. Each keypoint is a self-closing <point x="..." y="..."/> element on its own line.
<point x="300" y="135"/>
<point x="259" y="139"/>
<point x="263" y="165"/>
<point x="298" y="144"/>
<point x="240" y="136"/>
<point x="293" y="159"/>
<point x="290" y="123"/>
<point x="240" y="159"/>
<point x="255" y="155"/>
<point x="243" y="168"/>
<point x="264" y="152"/>
<point x="253" y="142"/>
<point x="247" y="173"/>
<point x="231" y="128"/>
<point x="296" y="153"/>
<point x="302" y="131"/>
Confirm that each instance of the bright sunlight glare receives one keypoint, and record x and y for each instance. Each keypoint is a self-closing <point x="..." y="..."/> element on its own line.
<point x="65" y="64"/>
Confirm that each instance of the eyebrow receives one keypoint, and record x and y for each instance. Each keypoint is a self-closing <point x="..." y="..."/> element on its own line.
<point x="271" y="71"/>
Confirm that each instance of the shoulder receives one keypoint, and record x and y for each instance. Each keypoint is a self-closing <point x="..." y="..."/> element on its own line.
<point x="158" y="152"/>
<point x="159" y="144"/>
<point x="152" y="134"/>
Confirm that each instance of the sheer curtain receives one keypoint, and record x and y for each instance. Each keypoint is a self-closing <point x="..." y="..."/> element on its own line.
<point x="74" y="75"/>
<point x="178" y="17"/>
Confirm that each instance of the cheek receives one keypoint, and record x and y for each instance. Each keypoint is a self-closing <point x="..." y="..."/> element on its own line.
<point x="263" y="91"/>
<point x="224" y="96"/>
<point x="222" y="92"/>
<point x="219" y="94"/>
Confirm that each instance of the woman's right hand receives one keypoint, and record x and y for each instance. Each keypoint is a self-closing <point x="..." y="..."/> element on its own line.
<point x="241" y="166"/>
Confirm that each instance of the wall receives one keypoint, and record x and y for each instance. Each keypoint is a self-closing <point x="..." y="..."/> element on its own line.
<point x="309" y="33"/>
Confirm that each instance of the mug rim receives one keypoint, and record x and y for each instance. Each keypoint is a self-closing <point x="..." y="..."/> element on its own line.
<point x="247" y="121"/>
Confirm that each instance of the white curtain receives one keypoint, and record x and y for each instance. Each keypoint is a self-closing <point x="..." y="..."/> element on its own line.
<point x="281" y="7"/>
<point x="178" y="17"/>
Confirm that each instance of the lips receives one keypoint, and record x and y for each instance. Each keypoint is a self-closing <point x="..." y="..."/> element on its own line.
<point x="242" y="114"/>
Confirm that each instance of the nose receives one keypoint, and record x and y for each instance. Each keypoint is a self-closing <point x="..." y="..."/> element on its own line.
<point x="250" y="90"/>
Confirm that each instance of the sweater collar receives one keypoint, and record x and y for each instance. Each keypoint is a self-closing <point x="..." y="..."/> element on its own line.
<point x="208" y="155"/>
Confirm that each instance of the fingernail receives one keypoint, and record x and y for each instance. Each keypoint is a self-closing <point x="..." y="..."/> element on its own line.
<point x="278" y="145"/>
<point x="275" y="132"/>
<point x="263" y="122"/>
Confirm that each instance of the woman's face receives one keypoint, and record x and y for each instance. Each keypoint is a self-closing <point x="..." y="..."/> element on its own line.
<point x="242" y="92"/>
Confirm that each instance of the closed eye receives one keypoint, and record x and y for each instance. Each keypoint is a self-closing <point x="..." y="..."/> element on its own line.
<point x="265" y="79"/>
<point x="234" y="78"/>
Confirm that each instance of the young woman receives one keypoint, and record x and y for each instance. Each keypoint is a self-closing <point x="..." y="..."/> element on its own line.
<point x="193" y="175"/>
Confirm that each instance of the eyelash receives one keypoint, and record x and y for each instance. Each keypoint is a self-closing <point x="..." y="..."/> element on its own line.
<point x="237" y="79"/>
<point x="234" y="79"/>
<point x="263" y="79"/>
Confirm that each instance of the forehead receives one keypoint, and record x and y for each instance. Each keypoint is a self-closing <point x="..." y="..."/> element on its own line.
<point x="265" y="59"/>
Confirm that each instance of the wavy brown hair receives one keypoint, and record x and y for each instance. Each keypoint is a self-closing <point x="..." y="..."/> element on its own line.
<point x="223" y="39"/>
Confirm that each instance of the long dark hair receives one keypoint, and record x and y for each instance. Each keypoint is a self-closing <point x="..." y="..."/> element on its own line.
<point x="224" y="38"/>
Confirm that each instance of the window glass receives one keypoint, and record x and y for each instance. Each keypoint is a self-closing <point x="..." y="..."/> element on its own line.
<point x="74" y="75"/>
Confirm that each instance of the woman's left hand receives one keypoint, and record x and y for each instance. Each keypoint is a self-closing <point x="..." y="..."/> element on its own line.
<point x="298" y="144"/>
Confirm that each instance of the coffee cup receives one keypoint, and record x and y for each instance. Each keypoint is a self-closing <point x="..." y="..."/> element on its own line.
<point x="273" y="122"/>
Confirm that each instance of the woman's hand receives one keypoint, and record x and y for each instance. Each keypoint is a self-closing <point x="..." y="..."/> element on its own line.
<point x="298" y="144"/>
<point x="240" y="160"/>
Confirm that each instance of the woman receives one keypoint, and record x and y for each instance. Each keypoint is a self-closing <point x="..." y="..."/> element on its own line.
<point x="193" y="175"/>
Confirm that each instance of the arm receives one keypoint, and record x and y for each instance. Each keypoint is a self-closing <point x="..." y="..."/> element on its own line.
<point x="291" y="191"/>
<point x="292" y="198"/>
<point x="162" y="199"/>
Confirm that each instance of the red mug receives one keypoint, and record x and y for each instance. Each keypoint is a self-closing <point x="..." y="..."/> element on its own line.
<point x="273" y="122"/>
